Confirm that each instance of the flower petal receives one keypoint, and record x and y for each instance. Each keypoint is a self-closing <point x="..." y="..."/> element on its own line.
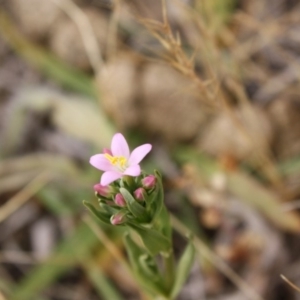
<point x="139" y="153"/>
<point x="109" y="177"/>
<point x="133" y="170"/>
<point x="119" y="146"/>
<point x="100" y="162"/>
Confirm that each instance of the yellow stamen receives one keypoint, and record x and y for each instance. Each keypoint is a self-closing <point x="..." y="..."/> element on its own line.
<point x="119" y="161"/>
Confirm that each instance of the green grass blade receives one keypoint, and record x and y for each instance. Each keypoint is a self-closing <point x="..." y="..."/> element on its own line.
<point x="72" y="249"/>
<point x="245" y="187"/>
<point x="100" y="282"/>
<point x="47" y="63"/>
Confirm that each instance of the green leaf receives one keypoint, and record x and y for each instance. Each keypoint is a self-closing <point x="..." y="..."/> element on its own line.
<point x="53" y="199"/>
<point x="153" y="240"/>
<point x="157" y="197"/>
<point x="134" y="252"/>
<point x="108" y="209"/>
<point x="149" y="267"/>
<point x="162" y="223"/>
<point x="183" y="269"/>
<point x="146" y="280"/>
<point x="134" y="207"/>
<point x="102" y="216"/>
<point x="160" y="215"/>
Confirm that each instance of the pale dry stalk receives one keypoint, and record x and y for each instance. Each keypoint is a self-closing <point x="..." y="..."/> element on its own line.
<point x="113" y="30"/>
<point x="86" y="31"/>
<point x="177" y="57"/>
<point x="290" y="283"/>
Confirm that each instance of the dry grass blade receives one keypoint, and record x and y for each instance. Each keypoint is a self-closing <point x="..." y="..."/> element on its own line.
<point x="12" y="182"/>
<point x="263" y="200"/>
<point x="205" y="252"/>
<point x="2" y="296"/>
<point x="113" y="30"/>
<point x="86" y="32"/>
<point x="291" y="206"/>
<point x="106" y="241"/>
<point x="44" y="61"/>
<point x="24" y="195"/>
<point x="175" y="54"/>
<point x="37" y="162"/>
<point x="212" y="96"/>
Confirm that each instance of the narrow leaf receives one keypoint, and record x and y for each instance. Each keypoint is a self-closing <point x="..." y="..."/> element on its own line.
<point x="183" y="269"/>
<point x="263" y="200"/>
<point x="104" y="217"/>
<point x="149" y="267"/>
<point x="134" y="207"/>
<point x="101" y="283"/>
<point x="108" y="209"/>
<point x="157" y="200"/>
<point x="134" y="254"/>
<point x="153" y="240"/>
<point x="247" y="188"/>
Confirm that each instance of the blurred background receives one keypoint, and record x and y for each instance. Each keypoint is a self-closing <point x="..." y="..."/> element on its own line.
<point x="212" y="84"/>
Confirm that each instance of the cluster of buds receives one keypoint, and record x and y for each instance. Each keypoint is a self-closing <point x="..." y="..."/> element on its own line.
<point x="128" y="200"/>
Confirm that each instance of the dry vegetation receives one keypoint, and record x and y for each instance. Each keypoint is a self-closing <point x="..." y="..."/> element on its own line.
<point x="213" y="84"/>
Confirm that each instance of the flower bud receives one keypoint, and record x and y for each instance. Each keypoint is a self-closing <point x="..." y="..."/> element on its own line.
<point x="149" y="182"/>
<point x="104" y="191"/>
<point x="119" y="200"/>
<point x="117" y="219"/>
<point x="107" y="151"/>
<point x="139" y="194"/>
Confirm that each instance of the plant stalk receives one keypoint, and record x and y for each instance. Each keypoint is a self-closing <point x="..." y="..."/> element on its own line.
<point x="169" y="269"/>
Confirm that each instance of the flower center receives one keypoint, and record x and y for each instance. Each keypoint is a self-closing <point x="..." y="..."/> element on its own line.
<point x="119" y="161"/>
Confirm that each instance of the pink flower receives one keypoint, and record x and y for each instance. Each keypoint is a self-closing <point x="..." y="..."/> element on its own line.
<point x="118" y="161"/>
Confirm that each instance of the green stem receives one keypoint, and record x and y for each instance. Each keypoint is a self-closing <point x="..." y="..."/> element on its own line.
<point x="128" y="179"/>
<point x="169" y="269"/>
<point x="160" y="297"/>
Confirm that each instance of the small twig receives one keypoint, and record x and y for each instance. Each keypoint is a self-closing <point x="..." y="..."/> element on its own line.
<point x="290" y="283"/>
